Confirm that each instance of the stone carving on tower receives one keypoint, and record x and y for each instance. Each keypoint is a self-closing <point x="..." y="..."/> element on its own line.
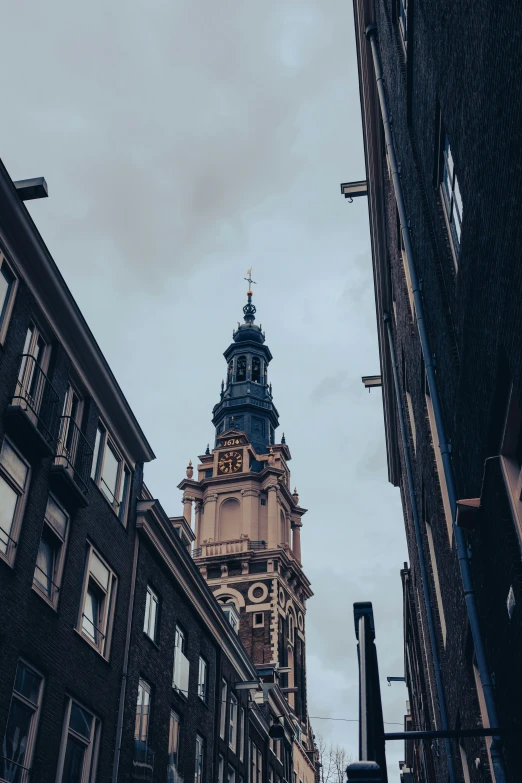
<point x="247" y="519"/>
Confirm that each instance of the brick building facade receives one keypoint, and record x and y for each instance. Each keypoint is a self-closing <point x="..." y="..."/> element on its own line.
<point x="441" y="108"/>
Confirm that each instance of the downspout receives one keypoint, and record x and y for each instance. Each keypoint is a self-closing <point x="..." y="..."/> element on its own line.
<point x="123" y="687"/>
<point x="462" y="552"/>
<point x="420" y="550"/>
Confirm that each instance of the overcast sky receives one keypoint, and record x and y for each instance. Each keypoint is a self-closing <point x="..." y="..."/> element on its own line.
<point x="182" y="143"/>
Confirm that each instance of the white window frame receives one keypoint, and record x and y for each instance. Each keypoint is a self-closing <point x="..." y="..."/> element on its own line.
<point x="66" y="452"/>
<point x="58" y="558"/>
<point x="232" y="723"/>
<point x="120" y="499"/>
<point x="25" y="395"/>
<point x="33" y="727"/>
<point x="107" y="606"/>
<point x="143" y="715"/>
<point x="152" y="604"/>
<point x="450" y="200"/>
<point x="256" y="623"/>
<point x="242" y="733"/>
<point x="223" y="714"/>
<point x="8" y="303"/>
<point x="21" y="491"/>
<point x="203" y="679"/>
<point x="92" y="744"/>
<point x="180" y="643"/>
<point x="199" y="772"/>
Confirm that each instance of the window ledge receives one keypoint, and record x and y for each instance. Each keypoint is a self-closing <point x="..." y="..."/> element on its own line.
<point x="44" y="597"/>
<point x="66" y="487"/>
<point x="93" y="646"/>
<point x="102" y="493"/>
<point x="21" y="427"/>
<point x="154" y="644"/>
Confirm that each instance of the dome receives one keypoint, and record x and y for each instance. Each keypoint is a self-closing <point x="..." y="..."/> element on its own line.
<point x="248" y="332"/>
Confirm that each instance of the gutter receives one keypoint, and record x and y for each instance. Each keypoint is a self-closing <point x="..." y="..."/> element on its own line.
<point x="420" y="550"/>
<point x="123" y="687"/>
<point x="460" y="539"/>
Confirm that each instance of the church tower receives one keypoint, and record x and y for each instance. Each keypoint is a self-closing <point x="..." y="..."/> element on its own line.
<point x="247" y="520"/>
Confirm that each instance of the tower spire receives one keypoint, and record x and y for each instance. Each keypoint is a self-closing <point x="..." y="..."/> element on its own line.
<point x="249" y="309"/>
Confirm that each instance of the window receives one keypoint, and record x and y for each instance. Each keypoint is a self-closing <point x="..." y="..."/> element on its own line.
<point x="403" y="22"/>
<point x="110" y="472"/>
<point x="141" y="728"/>
<point x="180" y="674"/>
<point x="151" y="614"/>
<point x="20" y="733"/>
<point x="256" y="369"/>
<point x="97" y="607"/>
<point x="241" y="369"/>
<point x="511" y="452"/>
<point x="51" y="552"/>
<point x="223" y="713"/>
<point x="200" y="759"/>
<point x="231" y="775"/>
<point x="232" y="723"/>
<point x="208" y="473"/>
<point x="30" y="385"/>
<point x="290" y="628"/>
<point x="230" y="371"/>
<point x="202" y="679"/>
<point x="70" y="434"/>
<point x="77" y="762"/>
<point x="174" y="741"/>
<point x="14" y="475"/>
<point x="256" y="764"/>
<point x="259" y="620"/>
<point x="241" y="733"/>
<point x="451" y="197"/>
<point x="7" y="292"/>
<point x="221" y="768"/>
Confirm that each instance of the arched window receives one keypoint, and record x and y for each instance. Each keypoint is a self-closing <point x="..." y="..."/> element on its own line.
<point x="230" y="371"/>
<point x="256" y="369"/>
<point x="241" y="369"/>
<point x="229" y="520"/>
<point x="290" y="628"/>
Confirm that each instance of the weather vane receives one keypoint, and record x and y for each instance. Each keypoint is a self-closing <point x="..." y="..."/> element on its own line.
<point x="249" y="279"/>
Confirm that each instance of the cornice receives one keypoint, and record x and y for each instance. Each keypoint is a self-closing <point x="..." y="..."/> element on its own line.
<point x="31" y="257"/>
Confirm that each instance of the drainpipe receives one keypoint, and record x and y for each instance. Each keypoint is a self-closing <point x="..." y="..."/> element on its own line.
<point x="123" y="687"/>
<point x="462" y="550"/>
<point x="420" y="550"/>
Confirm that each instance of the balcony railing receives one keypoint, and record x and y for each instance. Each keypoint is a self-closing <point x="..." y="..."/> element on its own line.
<point x="36" y="395"/>
<point x="173" y="775"/>
<point x="73" y="452"/>
<point x="180" y="675"/>
<point x="142" y="762"/>
<point x="228" y="547"/>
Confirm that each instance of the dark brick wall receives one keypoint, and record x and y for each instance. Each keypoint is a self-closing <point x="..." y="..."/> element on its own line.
<point x="32" y="629"/>
<point x="464" y="60"/>
<point x="154" y="663"/>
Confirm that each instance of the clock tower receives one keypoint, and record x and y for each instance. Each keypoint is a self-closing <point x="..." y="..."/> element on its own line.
<point x="247" y="520"/>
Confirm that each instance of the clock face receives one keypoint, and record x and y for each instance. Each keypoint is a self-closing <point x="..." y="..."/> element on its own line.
<point x="230" y="462"/>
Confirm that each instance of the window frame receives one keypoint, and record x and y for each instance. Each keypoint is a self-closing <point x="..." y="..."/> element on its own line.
<point x="180" y="634"/>
<point x="104" y="441"/>
<point x="21" y="491"/>
<point x="150" y="598"/>
<point x="89" y="769"/>
<point x="33" y="727"/>
<point x="448" y="199"/>
<point x="8" y="303"/>
<point x="174" y="738"/>
<point x="223" y="714"/>
<point x="241" y="733"/>
<point x="232" y="723"/>
<point x="199" y="774"/>
<point x="257" y="624"/>
<point x="24" y="393"/>
<point x="145" y="688"/>
<point x="203" y="680"/>
<point x="59" y="560"/>
<point x="108" y="604"/>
